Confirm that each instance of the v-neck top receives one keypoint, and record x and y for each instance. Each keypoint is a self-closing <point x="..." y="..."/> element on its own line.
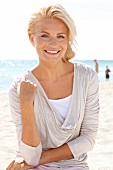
<point x="78" y="129"/>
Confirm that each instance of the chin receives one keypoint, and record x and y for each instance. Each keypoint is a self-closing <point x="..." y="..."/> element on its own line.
<point x="53" y="60"/>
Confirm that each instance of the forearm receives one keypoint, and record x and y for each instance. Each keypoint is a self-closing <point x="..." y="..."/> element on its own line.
<point x="29" y="130"/>
<point x="30" y="146"/>
<point x="61" y="153"/>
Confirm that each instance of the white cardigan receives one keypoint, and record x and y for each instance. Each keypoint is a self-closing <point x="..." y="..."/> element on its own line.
<point x="78" y="130"/>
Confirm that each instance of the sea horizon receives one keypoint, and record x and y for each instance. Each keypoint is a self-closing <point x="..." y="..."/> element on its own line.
<point x="12" y="68"/>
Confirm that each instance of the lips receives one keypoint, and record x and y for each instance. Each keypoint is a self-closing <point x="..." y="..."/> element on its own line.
<point x="51" y="52"/>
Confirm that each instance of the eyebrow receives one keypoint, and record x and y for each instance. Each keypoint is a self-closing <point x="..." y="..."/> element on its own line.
<point x="49" y="33"/>
<point x="44" y="32"/>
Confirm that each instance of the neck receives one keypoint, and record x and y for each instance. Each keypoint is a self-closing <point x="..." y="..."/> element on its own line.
<point x="52" y="71"/>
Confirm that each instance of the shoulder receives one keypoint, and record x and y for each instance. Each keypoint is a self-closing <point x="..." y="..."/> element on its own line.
<point x="86" y="76"/>
<point x="85" y="72"/>
<point x="84" y="68"/>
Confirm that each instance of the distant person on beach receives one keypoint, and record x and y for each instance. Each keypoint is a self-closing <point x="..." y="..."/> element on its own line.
<point x="107" y="73"/>
<point x="55" y="105"/>
<point x="96" y="66"/>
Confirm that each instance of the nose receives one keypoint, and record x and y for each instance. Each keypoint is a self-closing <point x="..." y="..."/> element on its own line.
<point x="52" y="41"/>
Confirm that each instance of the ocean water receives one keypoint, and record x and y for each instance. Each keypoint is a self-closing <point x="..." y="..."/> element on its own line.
<point x="10" y="69"/>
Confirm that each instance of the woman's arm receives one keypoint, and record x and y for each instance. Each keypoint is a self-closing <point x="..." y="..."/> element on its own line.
<point x="57" y="154"/>
<point x="26" y="92"/>
<point x="22" y="110"/>
<point x="89" y="127"/>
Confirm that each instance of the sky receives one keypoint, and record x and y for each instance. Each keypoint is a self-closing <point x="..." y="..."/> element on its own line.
<point x="93" y="20"/>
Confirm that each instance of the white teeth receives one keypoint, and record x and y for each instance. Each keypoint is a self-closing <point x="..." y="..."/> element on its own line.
<point x="52" y="52"/>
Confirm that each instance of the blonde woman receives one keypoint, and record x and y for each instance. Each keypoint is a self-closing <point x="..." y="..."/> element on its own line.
<point x="55" y="105"/>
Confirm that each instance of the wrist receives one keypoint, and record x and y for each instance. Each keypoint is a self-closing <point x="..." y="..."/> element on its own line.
<point x="44" y="158"/>
<point x="26" y="103"/>
<point x="26" y="107"/>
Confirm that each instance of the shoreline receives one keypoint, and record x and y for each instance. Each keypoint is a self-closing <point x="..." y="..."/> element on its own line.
<point x="100" y="158"/>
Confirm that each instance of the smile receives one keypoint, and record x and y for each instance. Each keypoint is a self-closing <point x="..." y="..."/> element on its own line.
<point x="51" y="52"/>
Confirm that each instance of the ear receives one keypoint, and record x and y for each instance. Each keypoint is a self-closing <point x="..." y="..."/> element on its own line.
<point x="31" y="38"/>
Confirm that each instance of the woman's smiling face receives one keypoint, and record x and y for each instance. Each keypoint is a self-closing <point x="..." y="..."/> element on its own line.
<point x="51" y="40"/>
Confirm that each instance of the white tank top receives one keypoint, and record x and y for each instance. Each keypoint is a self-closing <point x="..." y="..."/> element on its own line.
<point x="62" y="105"/>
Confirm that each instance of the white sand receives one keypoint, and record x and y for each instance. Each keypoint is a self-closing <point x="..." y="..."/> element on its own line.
<point x="7" y="133"/>
<point x="101" y="158"/>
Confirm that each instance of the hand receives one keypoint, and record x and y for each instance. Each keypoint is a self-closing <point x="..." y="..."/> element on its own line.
<point x="18" y="165"/>
<point x="26" y="91"/>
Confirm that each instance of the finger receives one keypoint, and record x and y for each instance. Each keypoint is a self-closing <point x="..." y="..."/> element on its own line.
<point x="23" y="78"/>
<point x="16" y="166"/>
<point x="35" y="85"/>
<point x="10" y="165"/>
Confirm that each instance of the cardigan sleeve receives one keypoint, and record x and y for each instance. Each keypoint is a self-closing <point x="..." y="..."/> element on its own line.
<point x="86" y="139"/>
<point x="30" y="154"/>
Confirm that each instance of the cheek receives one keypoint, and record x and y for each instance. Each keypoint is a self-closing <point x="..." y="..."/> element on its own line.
<point x="38" y="44"/>
<point x="65" y="46"/>
<point x="41" y="43"/>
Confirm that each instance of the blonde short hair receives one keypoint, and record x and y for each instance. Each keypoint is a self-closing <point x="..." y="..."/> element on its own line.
<point x="55" y="11"/>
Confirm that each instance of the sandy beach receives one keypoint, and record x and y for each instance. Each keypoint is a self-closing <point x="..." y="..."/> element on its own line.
<point x="100" y="158"/>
